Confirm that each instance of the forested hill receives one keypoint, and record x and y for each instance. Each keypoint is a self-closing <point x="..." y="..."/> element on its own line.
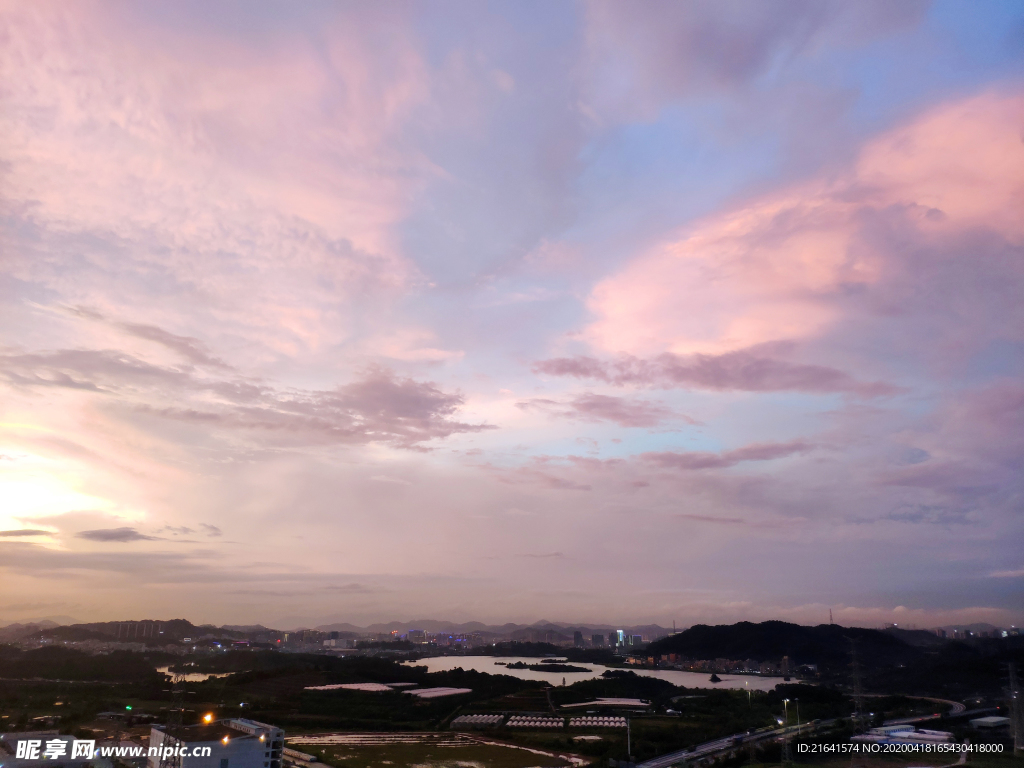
<point x="825" y="644"/>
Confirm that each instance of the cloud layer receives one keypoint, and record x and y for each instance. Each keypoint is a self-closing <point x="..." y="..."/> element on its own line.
<point x="365" y="309"/>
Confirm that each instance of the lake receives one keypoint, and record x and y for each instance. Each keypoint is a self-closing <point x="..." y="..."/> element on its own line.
<point x="192" y="677"/>
<point x="685" y="679"/>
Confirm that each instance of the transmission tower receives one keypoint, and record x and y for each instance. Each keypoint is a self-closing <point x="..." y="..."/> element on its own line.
<point x="858" y="692"/>
<point x="1016" y="712"/>
<point x="175" y="719"/>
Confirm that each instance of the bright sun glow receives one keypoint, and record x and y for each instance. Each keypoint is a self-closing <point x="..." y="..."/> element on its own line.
<point x="41" y="496"/>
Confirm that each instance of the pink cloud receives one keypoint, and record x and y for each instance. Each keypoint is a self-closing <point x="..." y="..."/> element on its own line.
<point x="241" y="174"/>
<point x="780" y="267"/>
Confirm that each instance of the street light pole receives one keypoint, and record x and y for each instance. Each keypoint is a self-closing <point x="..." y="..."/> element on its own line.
<point x="786" y="757"/>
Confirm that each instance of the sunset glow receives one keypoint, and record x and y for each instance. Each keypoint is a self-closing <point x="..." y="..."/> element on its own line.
<point x="361" y="312"/>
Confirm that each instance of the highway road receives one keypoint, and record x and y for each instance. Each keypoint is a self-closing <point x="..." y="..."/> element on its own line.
<point x="728" y="744"/>
<point x="955" y="708"/>
<point x="738" y="740"/>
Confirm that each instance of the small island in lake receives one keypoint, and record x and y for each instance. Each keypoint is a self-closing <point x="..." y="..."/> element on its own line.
<point x="547" y="667"/>
<point x="715" y="678"/>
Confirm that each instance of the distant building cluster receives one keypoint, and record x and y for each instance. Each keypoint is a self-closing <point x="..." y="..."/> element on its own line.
<point x="620" y="640"/>
<point x="781" y="666"/>
<point x="969" y="634"/>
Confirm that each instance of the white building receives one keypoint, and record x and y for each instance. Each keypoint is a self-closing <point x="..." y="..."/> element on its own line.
<point x="237" y="743"/>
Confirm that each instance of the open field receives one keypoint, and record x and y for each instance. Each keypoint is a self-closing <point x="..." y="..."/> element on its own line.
<point x="424" y="750"/>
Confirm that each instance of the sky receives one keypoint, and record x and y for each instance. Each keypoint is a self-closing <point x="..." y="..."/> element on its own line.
<point x="512" y="311"/>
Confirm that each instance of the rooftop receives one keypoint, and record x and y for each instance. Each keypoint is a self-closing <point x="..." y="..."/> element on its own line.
<point x="215" y="731"/>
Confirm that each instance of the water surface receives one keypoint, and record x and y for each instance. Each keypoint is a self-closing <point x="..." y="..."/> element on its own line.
<point x="192" y="677"/>
<point x="686" y="679"/>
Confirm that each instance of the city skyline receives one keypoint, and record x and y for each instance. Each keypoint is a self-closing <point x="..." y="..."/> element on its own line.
<point x="512" y="312"/>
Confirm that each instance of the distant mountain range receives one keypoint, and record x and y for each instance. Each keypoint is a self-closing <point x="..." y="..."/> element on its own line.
<point x="152" y="631"/>
<point x="17" y="631"/>
<point x="541" y="631"/>
<point x="826" y="644"/>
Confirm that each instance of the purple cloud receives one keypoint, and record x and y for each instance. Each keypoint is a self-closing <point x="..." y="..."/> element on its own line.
<point x="377" y="407"/>
<point x="706" y="460"/>
<point x="742" y="370"/>
<point x="124" y="534"/>
<point x="618" y="410"/>
<point x="674" y="50"/>
<point x="712" y="519"/>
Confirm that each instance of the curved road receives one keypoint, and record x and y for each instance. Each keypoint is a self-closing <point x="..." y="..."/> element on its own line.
<point x="955" y="708"/>
<point x="728" y="743"/>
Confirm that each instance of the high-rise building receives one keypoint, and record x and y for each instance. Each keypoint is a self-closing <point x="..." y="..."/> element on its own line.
<point x="621" y="637"/>
<point x="597" y="641"/>
<point x="577" y="639"/>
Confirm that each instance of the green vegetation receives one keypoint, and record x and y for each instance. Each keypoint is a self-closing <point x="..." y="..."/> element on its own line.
<point x="955" y="670"/>
<point x="22" y="701"/>
<point x="61" y="663"/>
<point x="277" y="693"/>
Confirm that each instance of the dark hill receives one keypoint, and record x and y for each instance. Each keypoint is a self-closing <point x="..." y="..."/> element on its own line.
<point x="70" y="634"/>
<point x="825" y="644"/>
<point x="149" y="631"/>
